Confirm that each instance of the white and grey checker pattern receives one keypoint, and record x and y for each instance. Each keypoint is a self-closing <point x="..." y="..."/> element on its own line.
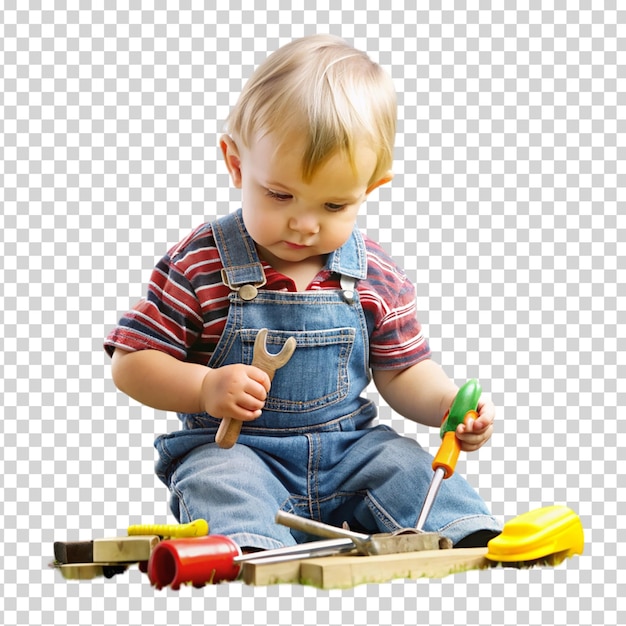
<point x="504" y="210"/>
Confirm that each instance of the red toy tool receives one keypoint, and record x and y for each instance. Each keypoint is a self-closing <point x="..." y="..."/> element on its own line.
<point x="200" y="561"/>
<point x="193" y="560"/>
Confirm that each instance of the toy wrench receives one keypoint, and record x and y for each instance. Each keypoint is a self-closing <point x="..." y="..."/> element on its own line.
<point x="230" y="428"/>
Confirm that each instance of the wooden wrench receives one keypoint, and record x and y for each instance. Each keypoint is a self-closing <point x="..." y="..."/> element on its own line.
<point x="230" y="428"/>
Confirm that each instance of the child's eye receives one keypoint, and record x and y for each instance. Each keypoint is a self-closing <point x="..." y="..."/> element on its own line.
<point x="275" y="195"/>
<point x="335" y="207"/>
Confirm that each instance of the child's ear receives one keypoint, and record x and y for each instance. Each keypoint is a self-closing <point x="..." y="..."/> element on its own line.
<point x="232" y="159"/>
<point x="382" y="181"/>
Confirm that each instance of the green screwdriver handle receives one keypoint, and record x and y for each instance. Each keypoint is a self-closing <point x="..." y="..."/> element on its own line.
<point x="466" y="400"/>
<point x="463" y="407"/>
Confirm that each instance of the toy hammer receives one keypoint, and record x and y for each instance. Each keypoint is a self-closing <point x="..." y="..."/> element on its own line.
<point x="230" y="428"/>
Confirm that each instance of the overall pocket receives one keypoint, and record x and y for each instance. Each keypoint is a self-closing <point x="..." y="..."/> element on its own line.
<point x="317" y="375"/>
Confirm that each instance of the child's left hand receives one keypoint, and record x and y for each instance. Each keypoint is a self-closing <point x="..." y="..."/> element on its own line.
<point x="477" y="432"/>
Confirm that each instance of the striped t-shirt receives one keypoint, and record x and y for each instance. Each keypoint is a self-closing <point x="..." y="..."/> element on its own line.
<point x="185" y="309"/>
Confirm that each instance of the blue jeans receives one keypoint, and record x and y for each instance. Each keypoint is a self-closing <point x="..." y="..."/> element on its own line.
<point x="374" y="479"/>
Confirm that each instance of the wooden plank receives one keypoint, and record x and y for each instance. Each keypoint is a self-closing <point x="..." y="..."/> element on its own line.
<point x="271" y="574"/>
<point x="349" y="571"/>
<point x="339" y="572"/>
<point x="124" y="549"/>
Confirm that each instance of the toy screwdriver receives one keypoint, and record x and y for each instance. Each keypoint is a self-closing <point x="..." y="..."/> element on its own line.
<point x="462" y="410"/>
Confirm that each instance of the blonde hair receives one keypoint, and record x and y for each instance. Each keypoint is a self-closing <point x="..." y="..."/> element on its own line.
<point x="324" y="89"/>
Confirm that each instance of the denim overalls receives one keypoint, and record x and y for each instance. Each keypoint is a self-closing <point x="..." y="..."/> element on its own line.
<point x="315" y="450"/>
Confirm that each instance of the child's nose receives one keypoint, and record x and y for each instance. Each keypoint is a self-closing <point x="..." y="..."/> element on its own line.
<point x="305" y="223"/>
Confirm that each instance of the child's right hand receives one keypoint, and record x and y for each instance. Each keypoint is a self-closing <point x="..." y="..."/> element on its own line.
<point x="237" y="391"/>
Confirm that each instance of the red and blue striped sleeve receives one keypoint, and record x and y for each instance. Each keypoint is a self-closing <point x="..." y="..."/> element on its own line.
<point x="397" y="340"/>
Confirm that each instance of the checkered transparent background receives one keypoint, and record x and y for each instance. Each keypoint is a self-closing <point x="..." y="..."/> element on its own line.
<point x="504" y="210"/>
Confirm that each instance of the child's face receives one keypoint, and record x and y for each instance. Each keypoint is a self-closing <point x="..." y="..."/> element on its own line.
<point x="292" y="220"/>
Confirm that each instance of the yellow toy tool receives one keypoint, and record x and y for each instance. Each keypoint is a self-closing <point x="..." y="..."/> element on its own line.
<point x="545" y="536"/>
<point x="197" y="528"/>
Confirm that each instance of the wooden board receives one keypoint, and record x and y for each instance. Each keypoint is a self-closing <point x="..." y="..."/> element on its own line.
<point x="339" y="572"/>
<point x="124" y="549"/>
<point x="272" y="574"/>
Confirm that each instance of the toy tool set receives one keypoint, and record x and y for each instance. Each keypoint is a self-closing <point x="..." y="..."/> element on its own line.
<point x="186" y="554"/>
<point x="544" y="536"/>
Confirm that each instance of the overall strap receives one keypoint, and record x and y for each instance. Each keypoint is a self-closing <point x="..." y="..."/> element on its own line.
<point x="237" y="253"/>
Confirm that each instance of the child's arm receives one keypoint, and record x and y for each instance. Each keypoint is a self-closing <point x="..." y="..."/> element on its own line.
<point x="158" y="380"/>
<point x="423" y="393"/>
